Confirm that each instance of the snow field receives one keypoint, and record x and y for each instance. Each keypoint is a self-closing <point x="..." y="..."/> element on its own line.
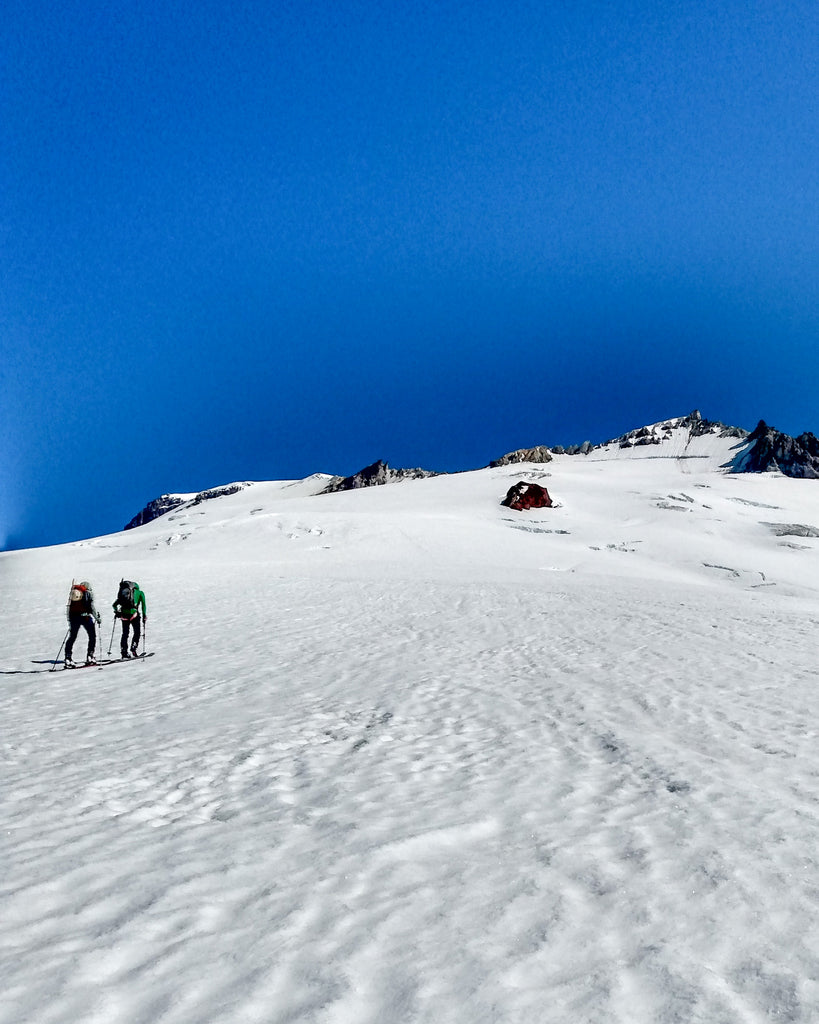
<point x="420" y="767"/>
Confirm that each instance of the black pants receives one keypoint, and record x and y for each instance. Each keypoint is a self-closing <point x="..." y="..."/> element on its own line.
<point x="74" y="623"/>
<point x="126" y="625"/>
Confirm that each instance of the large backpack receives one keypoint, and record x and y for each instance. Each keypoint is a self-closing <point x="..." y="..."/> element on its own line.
<point x="79" y="599"/>
<point x="125" y="597"/>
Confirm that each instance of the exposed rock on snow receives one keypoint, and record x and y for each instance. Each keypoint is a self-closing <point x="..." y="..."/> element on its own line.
<point x="219" y="492"/>
<point x="156" y="508"/>
<point x="771" y="450"/>
<point x="657" y="433"/>
<point x="524" y="495"/>
<point x="792" y="529"/>
<point x="168" y="502"/>
<point x="375" y="475"/>
<point x="573" y="449"/>
<point x="539" y="454"/>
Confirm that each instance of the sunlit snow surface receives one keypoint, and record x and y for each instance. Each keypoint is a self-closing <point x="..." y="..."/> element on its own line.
<point x="404" y="755"/>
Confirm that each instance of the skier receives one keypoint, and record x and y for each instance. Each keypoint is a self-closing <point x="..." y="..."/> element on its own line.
<point x="126" y="608"/>
<point x="81" y="612"/>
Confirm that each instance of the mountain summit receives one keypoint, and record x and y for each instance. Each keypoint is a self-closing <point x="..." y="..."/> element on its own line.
<point x="764" y="450"/>
<point x="723" y="447"/>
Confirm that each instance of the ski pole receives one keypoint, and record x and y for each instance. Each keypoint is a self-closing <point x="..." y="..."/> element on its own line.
<point x="67" y="604"/>
<point x="57" y="659"/>
<point x="111" y="644"/>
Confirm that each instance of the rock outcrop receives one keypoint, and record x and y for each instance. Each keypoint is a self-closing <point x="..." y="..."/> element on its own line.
<point x="218" y="492"/>
<point x="525" y="495"/>
<point x="770" y="450"/>
<point x="168" y="502"/>
<point x="792" y="529"/>
<point x="156" y="508"/>
<point x="657" y="433"/>
<point x="540" y="454"/>
<point x="375" y="475"/>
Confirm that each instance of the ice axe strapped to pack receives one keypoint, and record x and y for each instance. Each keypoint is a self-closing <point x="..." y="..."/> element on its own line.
<point x="80" y="598"/>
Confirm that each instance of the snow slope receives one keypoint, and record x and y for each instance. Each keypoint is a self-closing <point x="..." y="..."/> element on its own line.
<point x="406" y="755"/>
<point x="685" y="439"/>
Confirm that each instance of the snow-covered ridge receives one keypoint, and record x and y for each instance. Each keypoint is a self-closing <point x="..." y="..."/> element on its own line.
<point x="667" y="432"/>
<point x="718" y="446"/>
<point x="731" y="449"/>
<point x="158" y="507"/>
<point x="715" y="446"/>
<point x="667" y="439"/>
<point x="169" y="502"/>
<point x="673" y="516"/>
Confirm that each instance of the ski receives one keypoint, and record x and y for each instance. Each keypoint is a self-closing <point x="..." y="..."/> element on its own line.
<point x="134" y="657"/>
<point x="93" y="664"/>
<point x="25" y="671"/>
<point x="109" y="661"/>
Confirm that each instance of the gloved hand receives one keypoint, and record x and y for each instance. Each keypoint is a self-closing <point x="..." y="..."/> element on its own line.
<point x="98" y="617"/>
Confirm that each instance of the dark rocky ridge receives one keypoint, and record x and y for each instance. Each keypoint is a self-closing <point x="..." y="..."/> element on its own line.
<point x="538" y="455"/>
<point x="154" y="509"/>
<point x="375" y="475"/>
<point x="771" y="450"/>
<point x="167" y="502"/>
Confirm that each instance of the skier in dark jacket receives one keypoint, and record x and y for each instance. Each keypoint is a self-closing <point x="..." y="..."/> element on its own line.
<point x="81" y="612"/>
<point x="126" y="607"/>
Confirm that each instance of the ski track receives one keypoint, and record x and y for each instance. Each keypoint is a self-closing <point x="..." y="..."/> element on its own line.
<point x="593" y="807"/>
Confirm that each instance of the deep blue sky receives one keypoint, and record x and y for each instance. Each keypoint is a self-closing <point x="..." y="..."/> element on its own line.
<point x="256" y="239"/>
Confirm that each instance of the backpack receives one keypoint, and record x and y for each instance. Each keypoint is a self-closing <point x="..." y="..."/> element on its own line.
<point x="79" y="599"/>
<point x="125" y="597"/>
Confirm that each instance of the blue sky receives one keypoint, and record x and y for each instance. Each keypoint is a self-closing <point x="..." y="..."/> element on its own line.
<point x="258" y="240"/>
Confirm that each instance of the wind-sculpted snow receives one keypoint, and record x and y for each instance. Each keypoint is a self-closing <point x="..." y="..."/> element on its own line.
<point x="399" y="758"/>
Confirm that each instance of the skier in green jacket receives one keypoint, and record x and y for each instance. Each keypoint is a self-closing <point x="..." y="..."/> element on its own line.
<point x="126" y="607"/>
